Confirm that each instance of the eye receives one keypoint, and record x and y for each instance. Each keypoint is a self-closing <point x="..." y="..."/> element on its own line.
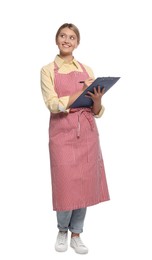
<point x="72" y="38"/>
<point x="62" y="35"/>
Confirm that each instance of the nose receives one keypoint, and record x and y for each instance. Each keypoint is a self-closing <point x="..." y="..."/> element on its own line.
<point x="66" y="39"/>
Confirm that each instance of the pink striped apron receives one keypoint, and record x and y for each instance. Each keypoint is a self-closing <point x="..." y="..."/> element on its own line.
<point x="77" y="168"/>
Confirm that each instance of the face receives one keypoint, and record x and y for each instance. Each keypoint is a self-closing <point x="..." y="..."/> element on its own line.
<point x="67" y="41"/>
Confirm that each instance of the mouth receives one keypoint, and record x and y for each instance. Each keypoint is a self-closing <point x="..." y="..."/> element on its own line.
<point x="66" y="45"/>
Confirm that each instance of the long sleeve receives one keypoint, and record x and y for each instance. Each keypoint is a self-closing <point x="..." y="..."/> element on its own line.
<point x="51" y="99"/>
<point x="100" y="112"/>
<point x="54" y="103"/>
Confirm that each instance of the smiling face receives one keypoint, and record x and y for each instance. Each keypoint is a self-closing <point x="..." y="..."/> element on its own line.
<point x="66" y="41"/>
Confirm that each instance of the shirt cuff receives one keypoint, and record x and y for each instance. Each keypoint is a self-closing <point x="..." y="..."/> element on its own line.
<point x="100" y="112"/>
<point x="60" y="105"/>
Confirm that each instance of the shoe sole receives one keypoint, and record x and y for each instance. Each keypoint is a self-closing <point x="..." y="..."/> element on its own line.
<point x="82" y="253"/>
<point x="61" y="250"/>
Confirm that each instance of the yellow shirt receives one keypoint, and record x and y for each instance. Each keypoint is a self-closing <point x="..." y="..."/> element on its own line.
<point x="51" y="99"/>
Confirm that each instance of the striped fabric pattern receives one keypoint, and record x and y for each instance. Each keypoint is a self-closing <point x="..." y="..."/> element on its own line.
<point x="77" y="168"/>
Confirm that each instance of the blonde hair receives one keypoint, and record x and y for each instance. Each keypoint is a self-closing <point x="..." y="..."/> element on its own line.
<point x="70" y="26"/>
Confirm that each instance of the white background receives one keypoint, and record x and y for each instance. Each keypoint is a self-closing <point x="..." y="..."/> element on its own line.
<point x="115" y="41"/>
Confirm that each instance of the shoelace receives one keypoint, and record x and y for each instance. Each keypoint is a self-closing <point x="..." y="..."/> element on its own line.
<point x="62" y="237"/>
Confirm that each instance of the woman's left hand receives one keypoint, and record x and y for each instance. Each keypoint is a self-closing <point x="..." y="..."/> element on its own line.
<point x="97" y="95"/>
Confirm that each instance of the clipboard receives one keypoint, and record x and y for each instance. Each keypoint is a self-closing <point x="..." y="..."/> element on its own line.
<point x="103" y="82"/>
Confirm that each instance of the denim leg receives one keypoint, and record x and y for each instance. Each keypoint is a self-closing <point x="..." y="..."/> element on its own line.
<point x="63" y="219"/>
<point x="77" y="220"/>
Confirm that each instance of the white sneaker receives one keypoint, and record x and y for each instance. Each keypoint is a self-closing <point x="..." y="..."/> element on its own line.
<point x="61" y="244"/>
<point x="77" y="244"/>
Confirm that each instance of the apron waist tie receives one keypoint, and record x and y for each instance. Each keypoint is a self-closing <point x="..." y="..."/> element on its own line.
<point x="88" y="115"/>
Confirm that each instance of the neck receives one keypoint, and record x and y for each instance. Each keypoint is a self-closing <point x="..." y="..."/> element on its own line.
<point x="66" y="57"/>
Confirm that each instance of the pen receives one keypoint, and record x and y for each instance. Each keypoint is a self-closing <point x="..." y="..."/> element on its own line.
<point x="81" y="81"/>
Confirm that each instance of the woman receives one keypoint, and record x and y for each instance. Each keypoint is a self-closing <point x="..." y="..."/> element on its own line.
<point x="77" y="169"/>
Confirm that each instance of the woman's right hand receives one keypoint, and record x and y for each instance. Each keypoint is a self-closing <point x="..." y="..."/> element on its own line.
<point x="73" y="97"/>
<point x="87" y="83"/>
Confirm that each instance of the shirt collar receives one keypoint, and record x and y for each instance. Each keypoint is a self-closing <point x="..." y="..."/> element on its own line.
<point x="59" y="61"/>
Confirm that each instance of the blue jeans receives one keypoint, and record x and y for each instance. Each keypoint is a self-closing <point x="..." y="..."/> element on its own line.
<point x="72" y="220"/>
